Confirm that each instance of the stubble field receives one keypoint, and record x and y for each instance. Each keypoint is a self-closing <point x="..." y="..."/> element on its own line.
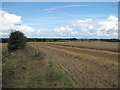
<point x="89" y="64"/>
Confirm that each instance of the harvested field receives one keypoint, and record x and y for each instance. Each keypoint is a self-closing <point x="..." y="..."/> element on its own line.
<point x="88" y="64"/>
<point x="110" y="46"/>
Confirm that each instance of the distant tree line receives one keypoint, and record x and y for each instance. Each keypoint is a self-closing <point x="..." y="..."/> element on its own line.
<point x="110" y="40"/>
<point x="4" y="40"/>
<point x="106" y="40"/>
<point x="49" y="39"/>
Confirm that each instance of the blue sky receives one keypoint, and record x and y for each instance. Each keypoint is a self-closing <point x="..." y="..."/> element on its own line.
<point x="48" y="17"/>
<point x="61" y="0"/>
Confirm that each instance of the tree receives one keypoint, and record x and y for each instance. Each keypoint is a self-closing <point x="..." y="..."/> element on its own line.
<point x="17" y="40"/>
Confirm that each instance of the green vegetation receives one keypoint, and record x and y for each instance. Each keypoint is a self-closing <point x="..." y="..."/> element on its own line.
<point x="17" y="40"/>
<point x="56" y="75"/>
<point x="27" y="68"/>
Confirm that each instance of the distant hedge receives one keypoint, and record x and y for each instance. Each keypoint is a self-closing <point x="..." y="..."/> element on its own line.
<point x="4" y="40"/>
<point x="50" y="39"/>
<point x="17" y="40"/>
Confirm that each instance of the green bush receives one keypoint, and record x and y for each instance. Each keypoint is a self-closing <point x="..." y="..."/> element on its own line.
<point x="17" y="40"/>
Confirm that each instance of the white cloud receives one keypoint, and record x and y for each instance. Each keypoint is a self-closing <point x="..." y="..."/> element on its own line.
<point x="9" y="19"/>
<point x="2" y="12"/>
<point x="65" y="31"/>
<point x="81" y="28"/>
<point x="91" y="28"/>
<point x="28" y="30"/>
<point x="67" y="6"/>
<point x="13" y="22"/>
<point x="82" y="21"/>
<point x="24" y="28"/>
<point x="1" y="34"/>
<point x="113" y="18"/>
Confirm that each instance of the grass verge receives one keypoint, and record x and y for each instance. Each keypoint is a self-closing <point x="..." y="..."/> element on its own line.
<point x="27" y="68"/>
<point x="22" y="70"/>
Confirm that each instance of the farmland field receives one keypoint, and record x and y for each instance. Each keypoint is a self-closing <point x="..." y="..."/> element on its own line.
<point x="59" y="44"/>
<point x="88" y="64"/>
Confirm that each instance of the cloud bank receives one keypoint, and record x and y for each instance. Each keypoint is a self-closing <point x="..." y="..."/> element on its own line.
<point x="10" y="22"/>
<point x="90" y="28"/>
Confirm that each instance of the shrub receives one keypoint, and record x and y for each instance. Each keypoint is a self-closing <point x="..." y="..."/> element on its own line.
<point x="17" y="40"/>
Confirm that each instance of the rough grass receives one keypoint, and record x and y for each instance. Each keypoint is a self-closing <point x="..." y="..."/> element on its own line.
<point x="20" y="69"/>
<point x="28" y="68"/>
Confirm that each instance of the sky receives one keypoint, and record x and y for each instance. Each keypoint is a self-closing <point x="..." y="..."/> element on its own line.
<point x="60" y="0"/>
<point x="60" y="19"/>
